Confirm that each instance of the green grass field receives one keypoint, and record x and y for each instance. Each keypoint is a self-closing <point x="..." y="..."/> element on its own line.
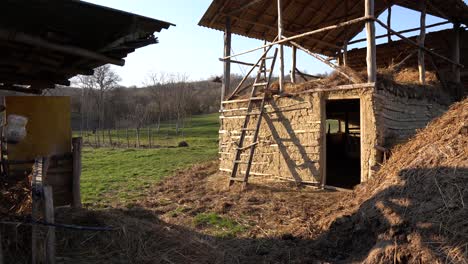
<point x="121" y="176"/>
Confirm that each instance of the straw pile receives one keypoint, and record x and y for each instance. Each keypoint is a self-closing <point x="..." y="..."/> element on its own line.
<point x="15" y="199"/>
<point x="416" y="208"/>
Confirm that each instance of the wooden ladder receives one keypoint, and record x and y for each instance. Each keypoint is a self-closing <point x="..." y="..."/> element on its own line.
<point x="262" y="80"/>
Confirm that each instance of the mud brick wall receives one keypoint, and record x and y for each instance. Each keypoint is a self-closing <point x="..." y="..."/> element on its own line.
<point x="399" y="117"/>
<point x="289" y="139"/>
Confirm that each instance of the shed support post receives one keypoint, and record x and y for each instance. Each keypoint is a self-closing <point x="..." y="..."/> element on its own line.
<point x="281" y="50"/>
<point x="389" y="22"/>
<point x="345" y="54"/>
<point x="422" y="39"/>
<point x="226" y="86"/>
<point x="293" y="67"/>
<point x="371" y="49"/>
<point x="456" y="52"/>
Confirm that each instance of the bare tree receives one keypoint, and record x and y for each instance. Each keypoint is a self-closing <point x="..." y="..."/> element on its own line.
<point x="98" y="85"/>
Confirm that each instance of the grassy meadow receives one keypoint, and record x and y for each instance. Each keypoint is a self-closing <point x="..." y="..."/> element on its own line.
<point x="119" y="176"/>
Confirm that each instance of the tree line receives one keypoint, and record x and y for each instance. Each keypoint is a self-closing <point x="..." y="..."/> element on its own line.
<point x="99" y="102"/>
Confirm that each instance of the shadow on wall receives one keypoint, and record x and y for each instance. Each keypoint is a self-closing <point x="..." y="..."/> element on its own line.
<point x="292" y="167"/>
<point x="421" y="220"/>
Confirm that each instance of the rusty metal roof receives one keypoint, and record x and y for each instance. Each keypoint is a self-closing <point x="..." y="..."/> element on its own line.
<point x="258" y="19"/>
<point x="36" y="37"/>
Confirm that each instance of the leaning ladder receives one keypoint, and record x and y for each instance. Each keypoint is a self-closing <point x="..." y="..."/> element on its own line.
<point x="262" y="80"/>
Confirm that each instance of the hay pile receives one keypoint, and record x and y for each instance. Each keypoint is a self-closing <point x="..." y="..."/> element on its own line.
<point x="139" y="237"/>
<point x="15" y="199"/>
<point x="416" y="208"/>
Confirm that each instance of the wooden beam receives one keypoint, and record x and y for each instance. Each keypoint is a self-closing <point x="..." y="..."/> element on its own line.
<point x="345" y="54"/>
<point x="421" y="40"/>
<point x="371" y="47"/>
<point x="39" y="42"/>
<point x="20" y="89"/>
<point x="400" y="32"/>
<point x="275" y="28"/>
<point x="416" y="44"/>
<point x="285" y="40"/>
<point x="389" y="22"/>
<point x="245" y="6"/>
<point x="293" y="66"/>
<point x="240" y="62"/>
<point x="333" y="66"/>
<point x="226" y="86"/>
<point x="281" y="50"/>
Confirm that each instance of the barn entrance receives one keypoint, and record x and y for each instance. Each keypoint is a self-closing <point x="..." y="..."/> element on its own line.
<point x="343" y="143"/>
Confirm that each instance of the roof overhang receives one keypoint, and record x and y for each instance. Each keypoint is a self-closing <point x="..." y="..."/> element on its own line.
<point x="258" y="18"/>
<point x="43" y="43"/>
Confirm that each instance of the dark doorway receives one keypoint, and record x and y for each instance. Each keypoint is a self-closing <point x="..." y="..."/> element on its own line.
<point x="343" y="143"/>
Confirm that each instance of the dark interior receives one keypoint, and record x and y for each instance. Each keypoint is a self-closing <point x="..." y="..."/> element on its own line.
<point x="343" y="143"/>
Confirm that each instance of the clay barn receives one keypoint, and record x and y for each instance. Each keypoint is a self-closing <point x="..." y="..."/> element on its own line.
<point x="332" y="131"/>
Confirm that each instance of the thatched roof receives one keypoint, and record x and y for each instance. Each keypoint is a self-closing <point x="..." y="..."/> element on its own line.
<point x="258" y="19"/>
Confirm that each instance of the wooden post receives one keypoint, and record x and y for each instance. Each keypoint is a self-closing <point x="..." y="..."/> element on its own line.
<point x="389" y="22"/>
<point x="49" y="218"/>
<point x="77" y="144"/>
<point x="226" y="86"/>
<point x="422" y="38"/>
<point x="456" y="52"/>
<point x="128" y="139"/>
<point x="110" y="136"/>
<point x="293" y="68"/>
<point x="138" y="137"/>
<point x="371" y="49"/>
<point x="1" y="250"/>
<point x="281" y="50"/>
<point x="149" y="137"/>
<point x="345" y="54"/>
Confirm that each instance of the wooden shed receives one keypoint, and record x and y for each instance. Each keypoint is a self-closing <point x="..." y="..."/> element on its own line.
<point x="330" y="133"/>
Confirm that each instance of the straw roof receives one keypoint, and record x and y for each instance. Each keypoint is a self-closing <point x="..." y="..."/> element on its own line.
<point x="258" y="19"/>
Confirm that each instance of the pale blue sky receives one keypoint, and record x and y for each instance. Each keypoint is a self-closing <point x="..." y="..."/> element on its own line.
<point x="188" y="48"/>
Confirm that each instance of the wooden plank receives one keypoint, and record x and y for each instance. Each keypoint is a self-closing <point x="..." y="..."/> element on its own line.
<point x="421" y="40"/>
<point x="371" y="58"/>
<point x="389" y="22"/>
<point x="76" y="190"/>
<point x="49" y="218"/>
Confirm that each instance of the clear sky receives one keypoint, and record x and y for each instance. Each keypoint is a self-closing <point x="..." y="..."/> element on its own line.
<point x="194" y="50"/>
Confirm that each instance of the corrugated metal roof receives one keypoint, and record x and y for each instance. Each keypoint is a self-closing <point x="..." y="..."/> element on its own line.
<point x="72" y="23"/>
<point x="259" y="19"/>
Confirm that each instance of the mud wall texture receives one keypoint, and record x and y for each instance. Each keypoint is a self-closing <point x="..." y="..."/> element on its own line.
<point x="289" y="139"/>
<point x="292" y="136"/>
<point x="399" y="117"/>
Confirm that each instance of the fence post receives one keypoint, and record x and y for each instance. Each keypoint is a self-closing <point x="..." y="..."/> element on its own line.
<point x="77" y="144"/>
<point x="110" y="136"/>
<point x="138" y="137"/>
<point x="149" y="137"/>
<point x="128" y="139"/>
<point x="49" y="218"/>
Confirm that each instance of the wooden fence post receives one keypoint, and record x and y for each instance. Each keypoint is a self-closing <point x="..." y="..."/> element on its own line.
<point x="149" y="137"/>
<point x="110" y="136"/>
<point x="1" y="250"/>
<point x="138" y="137"/>
<point x="49" y="218"/>
<point x="128" y="139"/>
<point x="421" y="40"/>
<point x="77" y="144"/>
